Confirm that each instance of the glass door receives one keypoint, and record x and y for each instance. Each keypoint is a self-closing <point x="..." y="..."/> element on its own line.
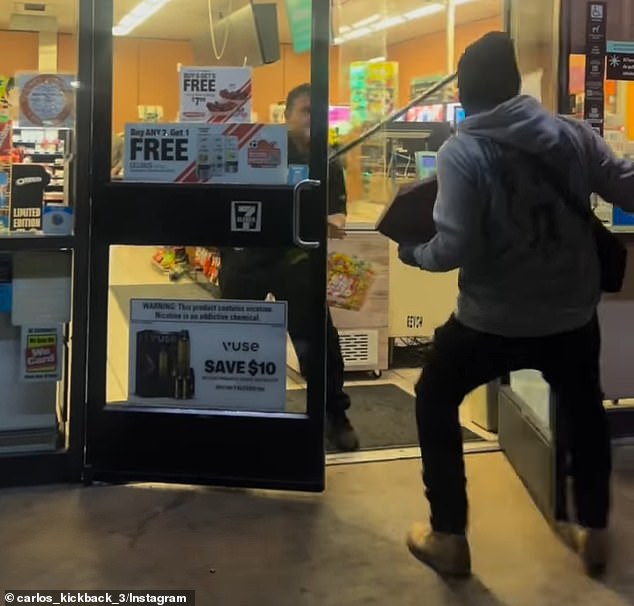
<point x="208" y="242"/>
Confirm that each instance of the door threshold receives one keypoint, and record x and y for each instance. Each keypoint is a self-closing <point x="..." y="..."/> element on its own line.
<point x="381" y="455"/>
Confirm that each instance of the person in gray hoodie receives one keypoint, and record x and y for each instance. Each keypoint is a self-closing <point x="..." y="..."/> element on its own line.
<point x="512" y="214"/>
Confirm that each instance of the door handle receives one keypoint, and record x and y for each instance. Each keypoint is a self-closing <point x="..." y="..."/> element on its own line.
<point x="297" y="213"/>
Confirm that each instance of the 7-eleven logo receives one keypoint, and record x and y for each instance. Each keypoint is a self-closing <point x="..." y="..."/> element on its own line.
<point x="246" y="216"/>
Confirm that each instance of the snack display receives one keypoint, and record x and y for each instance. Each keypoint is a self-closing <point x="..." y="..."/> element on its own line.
<point x="349" y="281"/>
<point x="374" y="91"/>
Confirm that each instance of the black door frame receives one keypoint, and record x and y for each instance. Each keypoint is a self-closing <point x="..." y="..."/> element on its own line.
<point x="250" y="450"/>
<point x="65" y="464"/>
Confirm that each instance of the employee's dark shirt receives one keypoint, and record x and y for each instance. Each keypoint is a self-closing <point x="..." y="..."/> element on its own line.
<point x="256" y="260"/>
<point x="337" y="196"/>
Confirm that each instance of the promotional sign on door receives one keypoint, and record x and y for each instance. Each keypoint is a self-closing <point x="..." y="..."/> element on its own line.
<point x="215" y="94"/>
<point x="41" y="353"/>
<point x="206" y="153"/>
<point x="620" y="64"/>
<point x="228" y="355"/>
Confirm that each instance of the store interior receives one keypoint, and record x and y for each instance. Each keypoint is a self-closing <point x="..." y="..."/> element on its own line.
<point x="380" y="59"/>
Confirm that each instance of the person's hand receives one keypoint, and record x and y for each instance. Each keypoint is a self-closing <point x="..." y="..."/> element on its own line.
<point x="407" y="254"/>
<point x="336" y="233"/>
<point x="337" y="226"/>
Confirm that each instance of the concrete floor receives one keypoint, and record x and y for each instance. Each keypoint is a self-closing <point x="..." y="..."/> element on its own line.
<point x="342" y="548"/>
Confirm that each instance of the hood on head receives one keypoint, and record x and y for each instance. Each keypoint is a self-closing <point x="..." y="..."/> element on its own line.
<point x="522" y="123"/>
<point x="488" y="73"/>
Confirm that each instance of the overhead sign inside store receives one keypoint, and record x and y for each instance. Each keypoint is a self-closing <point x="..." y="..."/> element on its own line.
<point x="620" y="65"/>
<point x="46" y="100"/>
<point x="215" y="94"/>
<point x="596" y="31"/>
<point x="228" y="355"/>
<point x="206" y="153"/>
<point x="300" y="21"/>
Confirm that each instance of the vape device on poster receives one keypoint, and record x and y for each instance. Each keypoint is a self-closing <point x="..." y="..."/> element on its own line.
<point x="232" y="150"/>
<point x="163" y="365"/>
<point x="203" y="163"/>
<point x="217" y="156"/>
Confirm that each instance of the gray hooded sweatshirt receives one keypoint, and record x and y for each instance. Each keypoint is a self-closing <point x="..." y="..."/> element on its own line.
<point x="525" y="250"/>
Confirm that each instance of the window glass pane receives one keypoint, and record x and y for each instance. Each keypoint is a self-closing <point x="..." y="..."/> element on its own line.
<point x="38" y="79"/>
<point x="194" y="75"/>
<point x="385" y="58"/>
<point x="202" y="328"/>
<point x="35" y="336"/>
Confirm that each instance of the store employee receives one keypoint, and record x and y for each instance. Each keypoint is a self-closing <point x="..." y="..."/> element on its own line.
<point x="255" y="272"/>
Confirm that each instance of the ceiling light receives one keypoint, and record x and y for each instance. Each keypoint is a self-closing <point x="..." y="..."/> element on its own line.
<point x="387" y="23"/>
<point x="424" y="11"/>
<point x="367" y="21"/>
<point x="356" y="33"/>
<point x="369" y="25"/>
<point x="140" y="13"/>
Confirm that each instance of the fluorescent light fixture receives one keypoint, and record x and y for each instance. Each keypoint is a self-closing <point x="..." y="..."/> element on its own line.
<point x="424" y="11"/>
<point x="387" y="23"/>
<point x="370" y="25"/>
<point x="367" y="21"/>
<point x="140" y="13"/>
<point x="356" y="33"/>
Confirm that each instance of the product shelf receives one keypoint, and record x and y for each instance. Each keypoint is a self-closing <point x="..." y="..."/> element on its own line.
<point x="29" y="241"/>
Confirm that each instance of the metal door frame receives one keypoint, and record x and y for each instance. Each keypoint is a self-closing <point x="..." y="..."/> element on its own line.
<point x="212" y="447"/>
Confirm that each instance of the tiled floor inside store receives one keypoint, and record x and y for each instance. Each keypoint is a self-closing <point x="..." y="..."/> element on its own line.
<point x="341" y="548"/>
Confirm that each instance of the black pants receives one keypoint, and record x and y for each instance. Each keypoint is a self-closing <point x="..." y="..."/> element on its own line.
<point x="463" y="359"/>
<point x="291" y="283"/>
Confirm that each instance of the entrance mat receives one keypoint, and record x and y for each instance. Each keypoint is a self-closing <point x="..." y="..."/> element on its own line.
<point x="383" y="415"/>
<point x="410" y="356"/>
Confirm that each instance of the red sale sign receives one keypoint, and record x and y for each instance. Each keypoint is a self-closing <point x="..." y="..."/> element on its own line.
<point x="41" y="354"/>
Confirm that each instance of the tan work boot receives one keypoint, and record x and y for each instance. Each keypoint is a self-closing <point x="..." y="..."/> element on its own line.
<point x="590" y="544"/>
<point x="447" y="554"/>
